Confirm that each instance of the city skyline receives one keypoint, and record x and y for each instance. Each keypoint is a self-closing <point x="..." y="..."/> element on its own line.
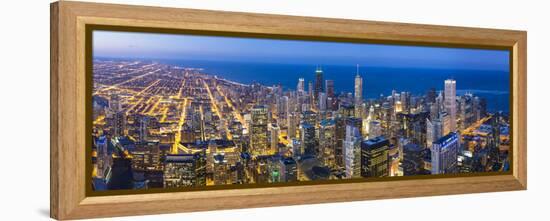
<point x="177" y="125"/>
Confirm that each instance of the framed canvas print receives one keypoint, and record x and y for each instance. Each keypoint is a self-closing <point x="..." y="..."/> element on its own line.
<point x="160" y="110"/>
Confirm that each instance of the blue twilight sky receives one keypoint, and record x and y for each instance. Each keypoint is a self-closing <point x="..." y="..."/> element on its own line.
<point x="116" y="44"/>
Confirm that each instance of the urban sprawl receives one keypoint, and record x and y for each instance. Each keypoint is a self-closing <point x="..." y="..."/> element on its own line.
<point x="164" y="126"/>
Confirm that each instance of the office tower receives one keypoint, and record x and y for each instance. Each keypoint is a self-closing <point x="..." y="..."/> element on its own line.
<point x="289" y="170"/>
<point x="466" y="112"/>
<point x="221" y="170"/>
<point x="258" y="131"/>
<point x="274" y="138"/>
<point x="450" y="102"/>
<point x="414" y="126"/>
<point x="121" y="175"/>
<point x="431" y="95"/>
<point x="318" y="82"/>
<point x="104" y="159"/>
<point x="482" y="107"/>
<point x="307" y="134"/>
<point x="291" y="126"/>
<point x="143" y="128"/>
<point x="301" y="87"/>
<point x="374" y="157"/>
<point x="309" y="117"/>
<point x="366" y="121"/>
<point x="352" y="152"/>
<point x="405" y="101"/>
<point x="182" y="170"/>
<point x="327" y="143"/>
<point x="358" y="93"/>
<point x="119" y="124"/>
<point x="340" y="123"/>
<point x="322" y="101"/>
<point x="445" y="153"/>
<point x="347" y="110"/>
<point x="282" y="107"/>
<point x="398" y="107"/>
<point x="413" y="159"/>
<point x="434" y="111"/>
<point x="434" y="131"/>
<point x="310" y="90"/>
<point x="115" y="104"/>
<point x="446" y="119"/>
<point x="329" y="88"/>
<point x="375" y="129"/>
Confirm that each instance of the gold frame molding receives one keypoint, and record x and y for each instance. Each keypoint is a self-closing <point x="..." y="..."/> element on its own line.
<point x="69" y="93"/>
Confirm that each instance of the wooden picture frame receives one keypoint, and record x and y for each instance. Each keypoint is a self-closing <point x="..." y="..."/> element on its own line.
<point x="69" y="94"/>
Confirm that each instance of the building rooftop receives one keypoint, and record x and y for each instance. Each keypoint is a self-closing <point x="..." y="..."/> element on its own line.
<point x="376" y="140"/>
<point x="413" y="147"/>
<point x="447" y="138"/>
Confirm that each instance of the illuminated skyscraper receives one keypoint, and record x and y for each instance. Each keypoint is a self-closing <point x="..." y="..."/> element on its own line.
<point x="221" y="170"/>
<point x="327" y="143"/>
<point x="445" y="154"/>
<point x="301" y="86"/>
<point x="450" y="102"/>
<point x="310" y="90"/>
<point x="307" y="134"/>
<point x="434" y="131"/>
<point x="358" y="93"/>
<point x="374" y="157"/>
<point x="119" y="124"/>
<point x="185" y="170"/>
<point x="322" y="101"/>
<point x="289" y="170"/>
<point x="258" y="131"/>
<point x="352" y="152"/>
<point x="375" y="128"/>
<point x="291" y="125"/>
<point x="274" y="138"/>
<point x="143" y="127"/>
<point x="318" y="82"/>
<point x="115" y="104"/>
<point x="329" y="88"/>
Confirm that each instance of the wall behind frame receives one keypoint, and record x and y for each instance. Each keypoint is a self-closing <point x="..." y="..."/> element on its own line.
<point x="25" y="104"/>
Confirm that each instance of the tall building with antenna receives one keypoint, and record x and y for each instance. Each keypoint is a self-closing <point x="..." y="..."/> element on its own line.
<point x="318" y="82"/>
<point x="450" y="102"/>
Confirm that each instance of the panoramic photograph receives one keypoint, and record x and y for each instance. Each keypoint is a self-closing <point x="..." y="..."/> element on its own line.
<point x="179" y="111"/>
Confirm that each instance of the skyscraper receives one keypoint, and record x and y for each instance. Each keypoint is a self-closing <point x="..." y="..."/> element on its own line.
<point x="307" y="134"/>
<point x="258" y="131"/>
<point x="322" y="101"/>
<point x="221" y="169"/>
<point x="185" y="170"/>
<point x="413" y="162"/>
<point x="274" y="138"/>
<point x="318" y="82"/>
<point x="143" y="128"/>
<point x="352" y="152"/>
<point x="327" y="143"/>
<point x="329" y="88"/>
<point x="119" y="124"/>
<point x="301" y="86"/>
<point x="291" y="127"/>
<point x="445" y="154"/>
<point x="450" y="102"/>
<point x="358" y="93"/>
<point x="434" y="130"/>
<point x="374" y="157"/>
<point x="289" y="170"/>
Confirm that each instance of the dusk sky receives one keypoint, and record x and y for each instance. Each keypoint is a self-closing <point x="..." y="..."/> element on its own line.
<point x="171" y="46"/>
